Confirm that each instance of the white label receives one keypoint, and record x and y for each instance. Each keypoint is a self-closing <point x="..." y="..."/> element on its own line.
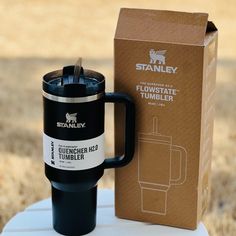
<point x="73" y="155"/>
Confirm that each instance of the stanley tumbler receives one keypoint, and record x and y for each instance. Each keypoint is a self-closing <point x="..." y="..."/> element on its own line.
<point x="73" y="144"/>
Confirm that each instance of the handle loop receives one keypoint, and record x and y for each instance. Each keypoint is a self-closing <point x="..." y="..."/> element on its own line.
<point x="123" y="160"/>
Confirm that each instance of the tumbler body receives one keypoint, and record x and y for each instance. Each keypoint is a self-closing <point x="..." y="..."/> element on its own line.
<point x="73" y="142"/>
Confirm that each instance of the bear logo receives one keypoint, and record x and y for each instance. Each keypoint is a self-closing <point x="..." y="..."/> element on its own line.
<point x="157" y="56"/>
<point x="71" y="118"/>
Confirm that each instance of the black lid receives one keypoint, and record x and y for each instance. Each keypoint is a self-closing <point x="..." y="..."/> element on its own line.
<point x="66" y="84"/>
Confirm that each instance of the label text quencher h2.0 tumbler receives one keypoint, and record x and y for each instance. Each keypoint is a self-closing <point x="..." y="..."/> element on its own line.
<point x="73" y="144"/>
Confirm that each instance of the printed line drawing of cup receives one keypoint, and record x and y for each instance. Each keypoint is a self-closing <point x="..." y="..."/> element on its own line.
<point x="155" y="171"/>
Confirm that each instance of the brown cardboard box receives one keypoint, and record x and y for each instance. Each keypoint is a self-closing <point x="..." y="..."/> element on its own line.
<point x="167" y="62"/>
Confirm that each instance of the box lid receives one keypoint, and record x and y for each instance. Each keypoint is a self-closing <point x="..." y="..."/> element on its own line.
<point x="162" y="26"/>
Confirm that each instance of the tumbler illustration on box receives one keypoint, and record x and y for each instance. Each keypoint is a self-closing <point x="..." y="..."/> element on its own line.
<point x="156" y="182"/>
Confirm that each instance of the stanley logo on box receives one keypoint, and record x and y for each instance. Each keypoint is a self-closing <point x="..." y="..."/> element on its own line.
<point x="157" y="63"/>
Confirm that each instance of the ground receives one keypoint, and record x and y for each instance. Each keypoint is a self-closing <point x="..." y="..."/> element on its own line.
<point x="39" y="36"/>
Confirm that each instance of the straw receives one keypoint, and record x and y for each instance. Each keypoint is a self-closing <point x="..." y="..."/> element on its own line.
<point x="77" y="70"/>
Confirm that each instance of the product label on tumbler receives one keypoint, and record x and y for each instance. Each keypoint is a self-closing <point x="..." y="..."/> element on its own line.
<point x="73" y="155"/>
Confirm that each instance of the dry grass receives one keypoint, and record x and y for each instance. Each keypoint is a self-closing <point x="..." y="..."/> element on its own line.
<point x="39" y="36"/>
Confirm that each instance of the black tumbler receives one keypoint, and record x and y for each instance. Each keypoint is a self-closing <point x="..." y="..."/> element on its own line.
<point x="73" y="144"/>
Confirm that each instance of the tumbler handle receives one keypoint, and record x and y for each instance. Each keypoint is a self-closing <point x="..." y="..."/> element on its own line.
<point x="123" y="160"/>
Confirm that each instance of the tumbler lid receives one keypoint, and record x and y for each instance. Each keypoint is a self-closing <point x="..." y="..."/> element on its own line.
<point x="74" y="81"/>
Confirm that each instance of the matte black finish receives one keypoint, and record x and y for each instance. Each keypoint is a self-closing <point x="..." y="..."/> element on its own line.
<point x="91" y="112"/>
<point x="120" y="161"/>
<point x="74" y="192"/>
<point x="70" y="218"/>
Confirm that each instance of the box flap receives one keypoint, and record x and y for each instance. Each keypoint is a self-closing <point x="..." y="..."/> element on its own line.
<point x="210" y="27"/>
<point x="162" y="26"/>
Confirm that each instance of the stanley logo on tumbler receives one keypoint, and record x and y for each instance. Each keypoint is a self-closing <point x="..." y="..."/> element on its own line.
<point x="71" y="122"/>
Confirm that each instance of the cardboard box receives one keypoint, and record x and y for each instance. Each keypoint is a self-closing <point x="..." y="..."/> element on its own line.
<point x="166" y="61"/>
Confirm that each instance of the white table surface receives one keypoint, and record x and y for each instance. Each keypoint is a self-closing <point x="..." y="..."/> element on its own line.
<point x="36" y="220"/>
